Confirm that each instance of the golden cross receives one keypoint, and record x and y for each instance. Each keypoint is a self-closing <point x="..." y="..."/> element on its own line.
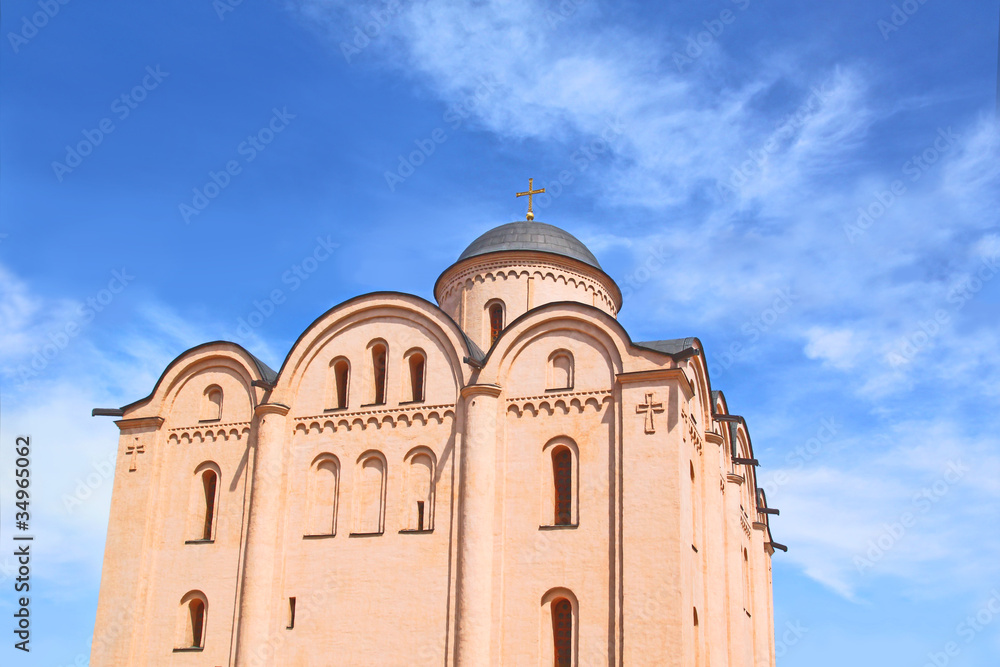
<point x="650" y="408"/>
<point x="530" y="192"/>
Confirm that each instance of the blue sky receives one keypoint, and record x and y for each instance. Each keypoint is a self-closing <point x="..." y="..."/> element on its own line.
<point x="810" y="188"/>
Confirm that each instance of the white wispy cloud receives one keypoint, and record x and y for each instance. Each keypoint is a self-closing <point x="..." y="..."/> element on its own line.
<point x="73" y="454"/>
<point x="915" y="507"/>
<point x="759" y="200"/>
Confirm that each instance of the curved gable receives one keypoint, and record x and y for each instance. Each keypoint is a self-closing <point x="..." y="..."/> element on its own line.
<point x="401" y="323"/>
<point x="222" y="364"/>
<point x="590" y="333"/>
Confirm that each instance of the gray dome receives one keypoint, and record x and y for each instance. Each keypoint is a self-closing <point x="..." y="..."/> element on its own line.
<point x="525" y="235"/>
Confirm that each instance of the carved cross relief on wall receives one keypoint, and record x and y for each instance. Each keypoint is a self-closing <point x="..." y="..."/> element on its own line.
<point x="649" y="408"/>
<point x="134" y="451"/>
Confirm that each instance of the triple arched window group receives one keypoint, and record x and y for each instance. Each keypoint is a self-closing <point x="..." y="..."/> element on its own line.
<point x="369" y="493"/>
<point x="376" y="377"/>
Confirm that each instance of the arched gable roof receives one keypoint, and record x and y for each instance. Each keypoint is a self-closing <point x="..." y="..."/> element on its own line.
<point x="546" y="314"/>
<point x="460" y="344"/>
<point x="258" y="370"/>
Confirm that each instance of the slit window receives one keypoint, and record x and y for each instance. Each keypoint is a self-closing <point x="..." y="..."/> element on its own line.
<point x="415" y="389"/>
<point x="209" y="482"/>
<point x="191" y="624"/>
<point x="496" y="322"/>
<point x="212" y="410"/>
<point x="378" y="373"/>
<point x="562" y="632"/>
<point x="746" y="582"/>
<point x="562" y="478"/>
<point x="341" y="376"/>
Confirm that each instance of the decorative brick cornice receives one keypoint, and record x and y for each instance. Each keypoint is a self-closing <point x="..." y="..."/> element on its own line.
<point x="578" y="401"/>
<point x="208" y="433"/>
<point x="515" y="264"/>
<point x="375" y="418"/>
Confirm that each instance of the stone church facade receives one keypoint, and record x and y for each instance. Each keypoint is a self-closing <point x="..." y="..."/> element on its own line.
<point x="503" y="477"/>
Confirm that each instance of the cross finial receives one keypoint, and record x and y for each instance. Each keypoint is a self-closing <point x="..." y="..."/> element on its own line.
<point x="531" y="191"/>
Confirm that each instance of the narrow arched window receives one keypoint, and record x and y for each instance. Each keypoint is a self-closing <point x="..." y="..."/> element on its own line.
<point x="209" y="483"/>
<point x="415" y="380"/>
<point x="212" y="409"/>
<point x="341" y="378"/>
<point x="324" y="482"/>
<point x="560" y="371"/>
<point x="378" y="373"/>
<point x="196" y="612"/>
<point x="420" y="492"/>
<point x="192" y="622"/>
<point x="370" y="495"/>
<point x="496" y="322"/>
<point x="562" y="482"/>
<point x="746" y="582"/>
<point x="695" y="510"/>
<point x="562" y="632"/>
<point x="203" y="504"/>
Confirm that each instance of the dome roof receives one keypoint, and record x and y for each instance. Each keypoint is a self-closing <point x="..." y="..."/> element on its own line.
<point x="531" y="235"/>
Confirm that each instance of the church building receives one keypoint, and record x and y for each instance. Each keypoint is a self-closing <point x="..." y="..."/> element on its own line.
<point x="503" y="477"/>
